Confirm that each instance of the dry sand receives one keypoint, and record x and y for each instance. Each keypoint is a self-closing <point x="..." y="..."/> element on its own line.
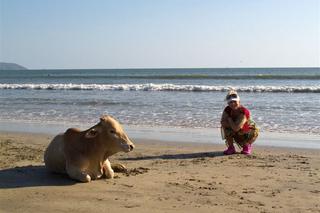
<point x="163" y="177"/>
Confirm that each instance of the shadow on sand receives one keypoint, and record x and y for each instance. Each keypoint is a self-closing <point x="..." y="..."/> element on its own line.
<point x="178" y="156"/>
<point x="30" y="176"/>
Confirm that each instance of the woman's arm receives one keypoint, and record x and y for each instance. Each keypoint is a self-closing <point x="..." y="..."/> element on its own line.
<point x="224" y="120"/>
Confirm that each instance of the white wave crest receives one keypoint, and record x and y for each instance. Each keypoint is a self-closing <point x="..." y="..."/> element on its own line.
<point x="162" y="87"/>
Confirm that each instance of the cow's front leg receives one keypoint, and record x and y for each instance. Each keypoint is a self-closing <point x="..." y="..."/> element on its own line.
<point x="76" y="173"/>
<point x="107" y="170"/>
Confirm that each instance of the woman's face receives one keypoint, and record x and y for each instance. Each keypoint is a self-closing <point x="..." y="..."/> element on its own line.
<point x="234" y="104"/>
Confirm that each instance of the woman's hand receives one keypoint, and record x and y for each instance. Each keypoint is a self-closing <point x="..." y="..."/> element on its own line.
<point x="238" y="124"/>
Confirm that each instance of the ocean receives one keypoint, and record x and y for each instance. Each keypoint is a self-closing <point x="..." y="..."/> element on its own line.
<point x="162" y="103"/>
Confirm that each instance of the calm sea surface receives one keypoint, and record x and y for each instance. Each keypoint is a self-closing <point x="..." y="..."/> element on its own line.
<point x="280" y="99"/>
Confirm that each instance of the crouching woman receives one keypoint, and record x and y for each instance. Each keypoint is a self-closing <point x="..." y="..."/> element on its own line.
<point x="237" y="126"/>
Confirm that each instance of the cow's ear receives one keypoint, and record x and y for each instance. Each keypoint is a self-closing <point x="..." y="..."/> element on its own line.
<point x="104" y="118"/>
<point x="92" y="133"/>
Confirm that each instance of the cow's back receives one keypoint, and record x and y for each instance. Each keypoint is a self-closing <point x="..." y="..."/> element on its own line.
<point x="54" y="158"/>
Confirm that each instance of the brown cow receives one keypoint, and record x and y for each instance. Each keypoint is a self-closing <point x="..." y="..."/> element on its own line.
<point x="83" y="155"/>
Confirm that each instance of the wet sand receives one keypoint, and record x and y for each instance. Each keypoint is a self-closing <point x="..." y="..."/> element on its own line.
<point x="163" y="177"/>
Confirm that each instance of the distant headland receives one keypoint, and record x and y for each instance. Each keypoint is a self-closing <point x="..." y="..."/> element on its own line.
<point x="11" y="66"/>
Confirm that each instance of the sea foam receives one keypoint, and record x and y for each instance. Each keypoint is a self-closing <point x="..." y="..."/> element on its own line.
<point x="162" y="87"/>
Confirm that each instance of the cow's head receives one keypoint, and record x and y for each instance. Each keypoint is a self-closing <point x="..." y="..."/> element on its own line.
<point x="110" y="133"/>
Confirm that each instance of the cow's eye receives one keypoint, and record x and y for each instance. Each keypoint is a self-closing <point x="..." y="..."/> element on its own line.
<point x="112" y="131"/>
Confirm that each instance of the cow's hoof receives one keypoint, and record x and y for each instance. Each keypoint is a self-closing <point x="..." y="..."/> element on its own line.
<point x="109" y="175"/>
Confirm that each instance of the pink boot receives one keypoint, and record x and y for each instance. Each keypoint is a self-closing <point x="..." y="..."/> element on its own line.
<point x="231" y="150"/>
<point x="247" y="149"/>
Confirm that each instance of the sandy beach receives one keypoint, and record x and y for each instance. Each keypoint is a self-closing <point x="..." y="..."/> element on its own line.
<point x="163" y="177"/>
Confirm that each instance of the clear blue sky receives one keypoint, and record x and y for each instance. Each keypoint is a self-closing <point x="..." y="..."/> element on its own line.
<point x="160" y="34"/>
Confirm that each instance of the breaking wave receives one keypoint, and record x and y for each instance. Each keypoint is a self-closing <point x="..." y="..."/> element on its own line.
<point x="161" y="87"/>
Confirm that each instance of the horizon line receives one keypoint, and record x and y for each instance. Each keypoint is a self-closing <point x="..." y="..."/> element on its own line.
<point x="175" y="68"/>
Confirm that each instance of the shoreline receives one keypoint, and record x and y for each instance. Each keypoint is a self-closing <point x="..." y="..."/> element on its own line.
<point x="37" y="138"/>
<point x="179" y="135"/>
<point x="164" y="176"/>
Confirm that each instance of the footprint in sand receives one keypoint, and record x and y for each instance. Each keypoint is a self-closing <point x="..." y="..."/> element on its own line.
<point x="136" y="171"/>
